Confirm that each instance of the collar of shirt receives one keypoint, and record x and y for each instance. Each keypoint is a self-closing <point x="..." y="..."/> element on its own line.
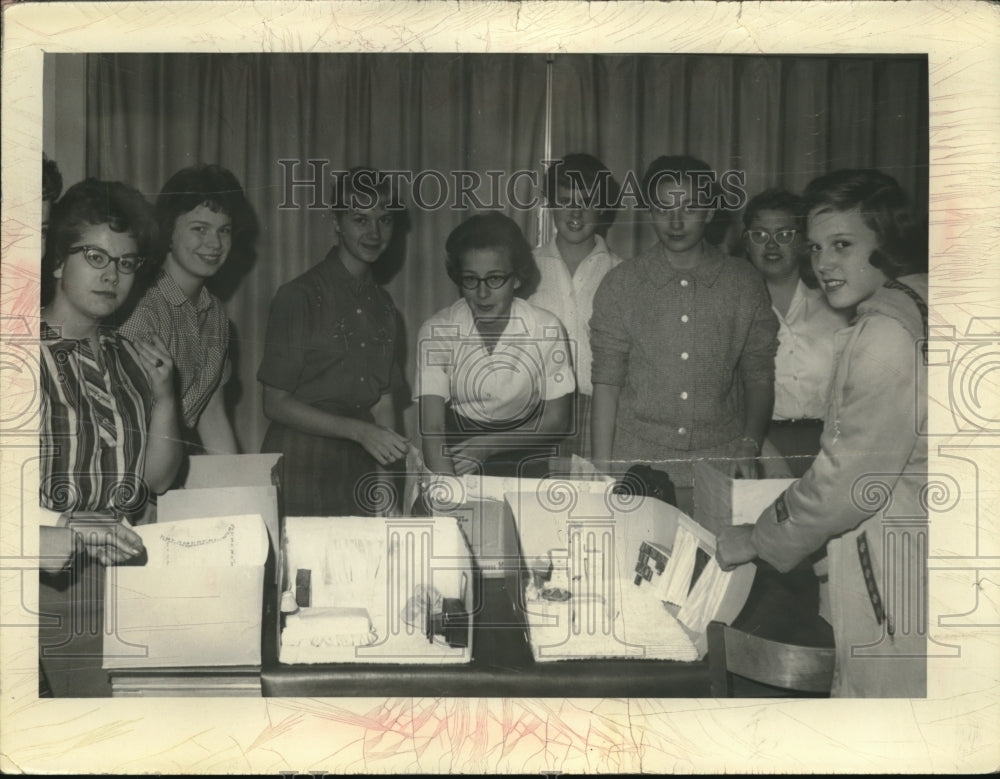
<point x="335" y="273"/>
<point x="659" y="272"/>
<point x="551" y="251"/>
<point x="517" y="322"/>
<point x="801" y="297"/>
<point x="107" y="337"/>
<point x="175" y="296"/>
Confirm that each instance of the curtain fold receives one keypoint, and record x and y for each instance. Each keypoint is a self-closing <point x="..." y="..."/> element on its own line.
<point x="780" y="119"/>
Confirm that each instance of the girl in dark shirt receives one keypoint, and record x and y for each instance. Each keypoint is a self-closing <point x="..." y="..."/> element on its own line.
<point x="332" y="363"/>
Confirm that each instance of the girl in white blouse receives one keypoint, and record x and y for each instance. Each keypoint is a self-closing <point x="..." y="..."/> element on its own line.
<point x="494" y="373"/>
<point x="803" y="368"/>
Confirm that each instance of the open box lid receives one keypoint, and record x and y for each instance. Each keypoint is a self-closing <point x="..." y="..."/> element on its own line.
<point x="607" y="547"/>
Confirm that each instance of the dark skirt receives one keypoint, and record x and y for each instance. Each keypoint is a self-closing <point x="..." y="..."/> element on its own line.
<point x="797" y="441"/>
<point x="325" y="477"/>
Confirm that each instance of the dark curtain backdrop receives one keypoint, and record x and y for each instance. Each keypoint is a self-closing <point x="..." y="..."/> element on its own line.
<point x="783" y="120"/>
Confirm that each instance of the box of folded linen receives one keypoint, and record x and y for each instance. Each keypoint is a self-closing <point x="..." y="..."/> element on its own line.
<point x="619" y="576"/>
<point x="375" y="590"/>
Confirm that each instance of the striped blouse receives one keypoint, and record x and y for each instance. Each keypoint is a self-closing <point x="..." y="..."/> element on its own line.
<point x="95" y="414"/>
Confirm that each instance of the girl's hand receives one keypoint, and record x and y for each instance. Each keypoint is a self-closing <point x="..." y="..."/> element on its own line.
<point x="109" y="543"/>
<point x="734" y="546"/>
<point x="746" y="460"/>
<point x="159" y="365"/>
<point x="469" y="455"/>
<point x="385" y="445"/>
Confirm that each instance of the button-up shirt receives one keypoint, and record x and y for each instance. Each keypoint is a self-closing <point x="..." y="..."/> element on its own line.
<point x="571" y="298"/>
<point x="196" y="334"/>
<point x="803" y="367"/>
<point x="94" y="424"/>
<point x="333" y="341"/>
<point x="682" y="345"/>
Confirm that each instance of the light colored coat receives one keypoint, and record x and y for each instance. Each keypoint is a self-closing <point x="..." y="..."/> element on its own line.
<point x="866" y="493"/>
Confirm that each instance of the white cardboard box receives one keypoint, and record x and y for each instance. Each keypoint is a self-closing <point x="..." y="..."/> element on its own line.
<point x="486" y="521"/>
<point x="594" y="542"/>
<point x="378" y="565"/>
<point x="721" y="500"/>
<point x="197" y="601"/>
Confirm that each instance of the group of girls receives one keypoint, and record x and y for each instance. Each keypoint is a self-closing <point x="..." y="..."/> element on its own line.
<point x="668" y="358"/>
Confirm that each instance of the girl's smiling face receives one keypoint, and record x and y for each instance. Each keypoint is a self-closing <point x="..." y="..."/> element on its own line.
<point x="364" y="233"/>
<point x="840" y="245"/>
<point x="575" y="224"/>
<point x="775" y="261"/>
<point x="200" y="243"/>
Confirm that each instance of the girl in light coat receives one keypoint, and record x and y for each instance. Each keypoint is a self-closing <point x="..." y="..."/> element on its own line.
<point x="865" y="494"/>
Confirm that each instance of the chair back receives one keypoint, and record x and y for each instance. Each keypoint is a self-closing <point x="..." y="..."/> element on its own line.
<point x="732" y="651"/>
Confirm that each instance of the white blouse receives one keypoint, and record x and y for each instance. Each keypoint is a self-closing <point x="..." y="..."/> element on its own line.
<point x="571" y="298"/>
<point x="530" y="363"/>
<point x="803" y="367"/>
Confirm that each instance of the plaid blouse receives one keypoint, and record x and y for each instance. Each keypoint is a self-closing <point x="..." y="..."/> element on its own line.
<point x="95" y="414"/>
<point x="196" y="335"/>
<point x="681" y="344"/>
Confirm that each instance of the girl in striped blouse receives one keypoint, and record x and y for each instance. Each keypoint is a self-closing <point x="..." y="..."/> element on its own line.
<point x="109" y="434"/>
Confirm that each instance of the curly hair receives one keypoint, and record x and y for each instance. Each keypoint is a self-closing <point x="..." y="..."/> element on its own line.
<point x="776" y="200"/>
<point x="493" y="231"/>
<point x="92" y="202"/>
<point x="884" y="208"/>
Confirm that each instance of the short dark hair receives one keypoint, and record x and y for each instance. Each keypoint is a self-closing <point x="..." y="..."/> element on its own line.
<point x="52" y="181"/>
<point x="684" y="166"/>
<point x="679" y="165"/>
<point x="493" y="231"/>
<point x="884" y="208"/>
<point x="355" y="189"/>
<point x="92" y="202"/>
<point x="212" y="186"/>
<point x="776" y="200"/>
<point x="584" y="169"/>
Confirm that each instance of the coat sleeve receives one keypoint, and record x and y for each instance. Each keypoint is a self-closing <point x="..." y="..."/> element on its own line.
<point x="869" y="436"/>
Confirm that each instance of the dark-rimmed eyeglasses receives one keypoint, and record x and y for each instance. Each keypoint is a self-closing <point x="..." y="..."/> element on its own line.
<point x="493" y="281"/>
<point x="98" y="258"/>
<point x="782" y="237"/>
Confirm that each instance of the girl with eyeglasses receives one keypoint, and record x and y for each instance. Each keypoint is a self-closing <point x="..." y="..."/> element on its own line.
<point x="494" y="372"/>
<point x="109" y="415"/>
<point x="333" y="362"/>
<point x="775" y="243"/>
<point x="108" y="428"/>
<point x="202" y="215"/>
